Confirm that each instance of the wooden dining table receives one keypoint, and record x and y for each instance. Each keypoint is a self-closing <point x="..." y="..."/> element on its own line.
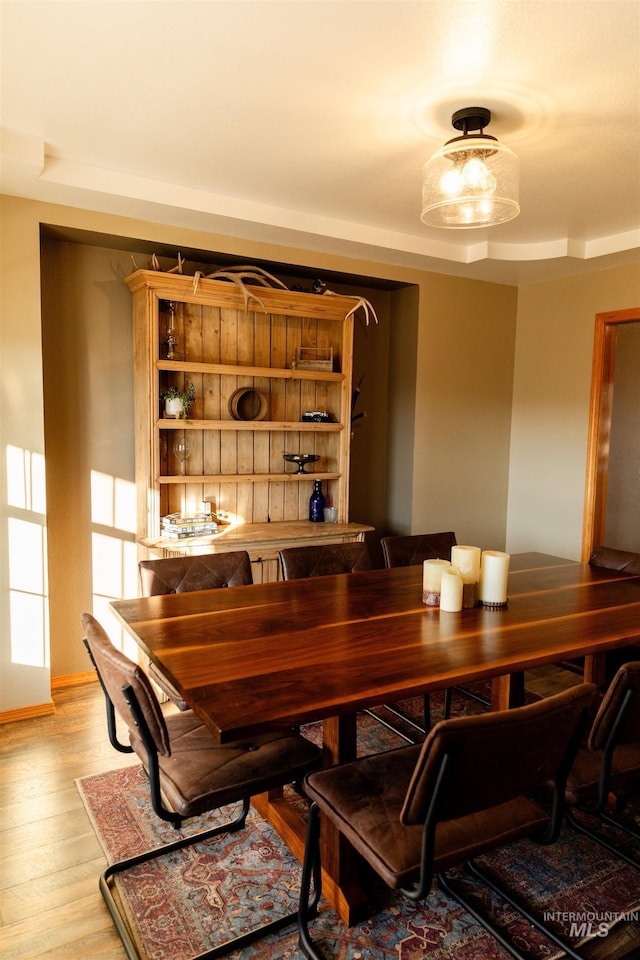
<point x="323" y="648"/>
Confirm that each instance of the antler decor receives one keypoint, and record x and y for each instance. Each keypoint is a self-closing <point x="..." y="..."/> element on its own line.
<point x="154" y="264"/>
<point x="361" y="303"/>
<point x="243" y="275"/>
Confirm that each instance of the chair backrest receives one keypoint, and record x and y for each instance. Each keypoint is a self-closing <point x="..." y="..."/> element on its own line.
<point x="411" y="550"/>
<point x="615" y="560"/>
<point x="320" y="560"/>
<point x="624" y="689"/>
<point x="117" y="672"/>
<point x="206" y="572"/>
<point x="495" y="757"/>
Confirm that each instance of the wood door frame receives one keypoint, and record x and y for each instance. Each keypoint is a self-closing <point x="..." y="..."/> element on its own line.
<point x="600" y="409"/>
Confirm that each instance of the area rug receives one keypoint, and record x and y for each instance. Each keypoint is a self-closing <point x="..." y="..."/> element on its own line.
<point x="185" y="903"/>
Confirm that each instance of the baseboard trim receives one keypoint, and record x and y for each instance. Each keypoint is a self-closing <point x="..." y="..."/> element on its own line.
<point x="27" y="713"/>
<point x="73" y="680"/>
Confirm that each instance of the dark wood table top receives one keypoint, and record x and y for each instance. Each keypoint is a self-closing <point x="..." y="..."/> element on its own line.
<point x="297" y="651"/>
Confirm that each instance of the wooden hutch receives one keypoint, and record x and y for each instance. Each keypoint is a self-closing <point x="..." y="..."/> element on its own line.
<point x="251" y="392"/>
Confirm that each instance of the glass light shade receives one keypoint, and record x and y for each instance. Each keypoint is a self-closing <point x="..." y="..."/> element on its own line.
<point x="470" y="182"/>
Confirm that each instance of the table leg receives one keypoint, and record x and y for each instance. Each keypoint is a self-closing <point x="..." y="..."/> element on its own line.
<point x="341" y="873"/>
<point x="501" y="692"/>
<point x="594" y="669"/>
<point x="340" y="879"/>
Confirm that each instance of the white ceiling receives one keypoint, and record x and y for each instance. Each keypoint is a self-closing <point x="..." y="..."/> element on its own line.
<point x="308" y="122"/>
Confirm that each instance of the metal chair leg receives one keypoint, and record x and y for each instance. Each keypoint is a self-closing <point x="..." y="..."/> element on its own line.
<point x="310" y="869"/>
<point x="454" y="891"/>
<point x="602" y="841"/>
<point x="121" y="866"/>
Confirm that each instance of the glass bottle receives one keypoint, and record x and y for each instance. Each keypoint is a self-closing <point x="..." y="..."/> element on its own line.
<point x="316" y="503"/>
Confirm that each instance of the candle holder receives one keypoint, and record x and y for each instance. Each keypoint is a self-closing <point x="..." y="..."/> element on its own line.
<point x="432" y="580"/>
<point x="469" y="595"/>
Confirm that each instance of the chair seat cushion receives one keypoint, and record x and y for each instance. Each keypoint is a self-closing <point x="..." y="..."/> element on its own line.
<point x="582" y="783"/>
<point x="202" y="774"/>
<point x="365" y="799"/>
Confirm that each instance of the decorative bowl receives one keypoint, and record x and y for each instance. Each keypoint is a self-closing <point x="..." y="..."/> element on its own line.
<point x="301" y="459"/>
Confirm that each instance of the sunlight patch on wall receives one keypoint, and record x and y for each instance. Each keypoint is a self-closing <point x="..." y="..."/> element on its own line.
<point x="25" y="480"/>
<point x="113" y="502"/>
<point x="114" y="555"/>
<point x="27" y="593"/>
<point x="28" y="606"/>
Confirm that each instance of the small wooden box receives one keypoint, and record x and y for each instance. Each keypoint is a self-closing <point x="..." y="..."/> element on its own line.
<point x="314" y="358"/>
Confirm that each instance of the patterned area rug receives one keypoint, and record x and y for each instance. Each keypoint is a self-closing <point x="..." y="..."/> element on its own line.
<point x="190" y="901"/>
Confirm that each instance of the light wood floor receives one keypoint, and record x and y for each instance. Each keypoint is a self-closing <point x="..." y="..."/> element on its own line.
<point x="50" y="858"/>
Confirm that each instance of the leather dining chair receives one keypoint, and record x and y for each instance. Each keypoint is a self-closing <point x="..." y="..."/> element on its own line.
<point x="206" y="572"/>
<point x="190" y="773"/>
<point x="625" y="561"/>
<point x="416" y="812"/>
<point x="612" y="559"/>
<point x="318" y="560"/>
<point x="407" y="551"/>
<point x="608" y="762"/>
<point x="609" y="558"/>
<point x="182" y="574"/>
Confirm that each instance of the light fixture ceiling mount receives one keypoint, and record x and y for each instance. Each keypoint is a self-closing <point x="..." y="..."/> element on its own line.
<point x="473" y="180"/>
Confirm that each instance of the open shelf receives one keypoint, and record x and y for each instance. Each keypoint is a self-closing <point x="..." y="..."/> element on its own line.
<point x="227" y="347"/>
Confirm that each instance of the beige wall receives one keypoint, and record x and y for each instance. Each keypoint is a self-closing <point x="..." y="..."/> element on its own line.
<point x="463" y="410"/>
<point x="442" y="462"/>
<point x="552" y="384"/>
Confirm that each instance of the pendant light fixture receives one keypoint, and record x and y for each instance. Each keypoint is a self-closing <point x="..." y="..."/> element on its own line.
<point x="473" y="180"/>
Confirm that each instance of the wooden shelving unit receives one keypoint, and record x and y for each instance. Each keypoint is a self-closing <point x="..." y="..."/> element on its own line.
<point x="223" y="345"/>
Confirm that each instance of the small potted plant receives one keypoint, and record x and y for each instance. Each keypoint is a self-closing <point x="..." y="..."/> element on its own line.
<point x="177" y="401"/>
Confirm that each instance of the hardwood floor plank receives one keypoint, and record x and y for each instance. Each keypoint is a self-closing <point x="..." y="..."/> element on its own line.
<point x="14" y="815"/>
<point x="50" y="891"/>
<point x="22" y="840"/>
<point x="63" y="928"/>
<point x="49" y="858"/>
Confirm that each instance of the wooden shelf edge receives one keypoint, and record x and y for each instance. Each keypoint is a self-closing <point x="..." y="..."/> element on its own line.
<point x="249" y="478"/>
<point x="167" y="423"/>
<point x="237" y="370"/>
<point x="222" y="293"/>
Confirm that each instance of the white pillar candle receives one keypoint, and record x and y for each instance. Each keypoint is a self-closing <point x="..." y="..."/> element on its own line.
<point x="467" y="561"/>
<point x="431" y="577"/>
<point x="451" y="590"/>
<point x="494" y="573"/>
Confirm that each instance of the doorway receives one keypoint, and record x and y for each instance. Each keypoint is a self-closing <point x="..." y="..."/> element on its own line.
<point x="602" y="433"/>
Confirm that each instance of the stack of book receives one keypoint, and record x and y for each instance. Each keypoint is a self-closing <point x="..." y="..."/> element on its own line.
<point x="179" y="527"/>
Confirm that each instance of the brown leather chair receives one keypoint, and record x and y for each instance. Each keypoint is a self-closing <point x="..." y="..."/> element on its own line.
<point x="415" y="812"/>
<point x="319" y="560"/>
<point x="608" y="762"/>
<point x="189" y="772"/>
<point x="612" y="559"/>
<point x="206" y="572"/>
<point x="182" y="574"/>
<point x="624" y="561"/>
<point x="414" y="549"/>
